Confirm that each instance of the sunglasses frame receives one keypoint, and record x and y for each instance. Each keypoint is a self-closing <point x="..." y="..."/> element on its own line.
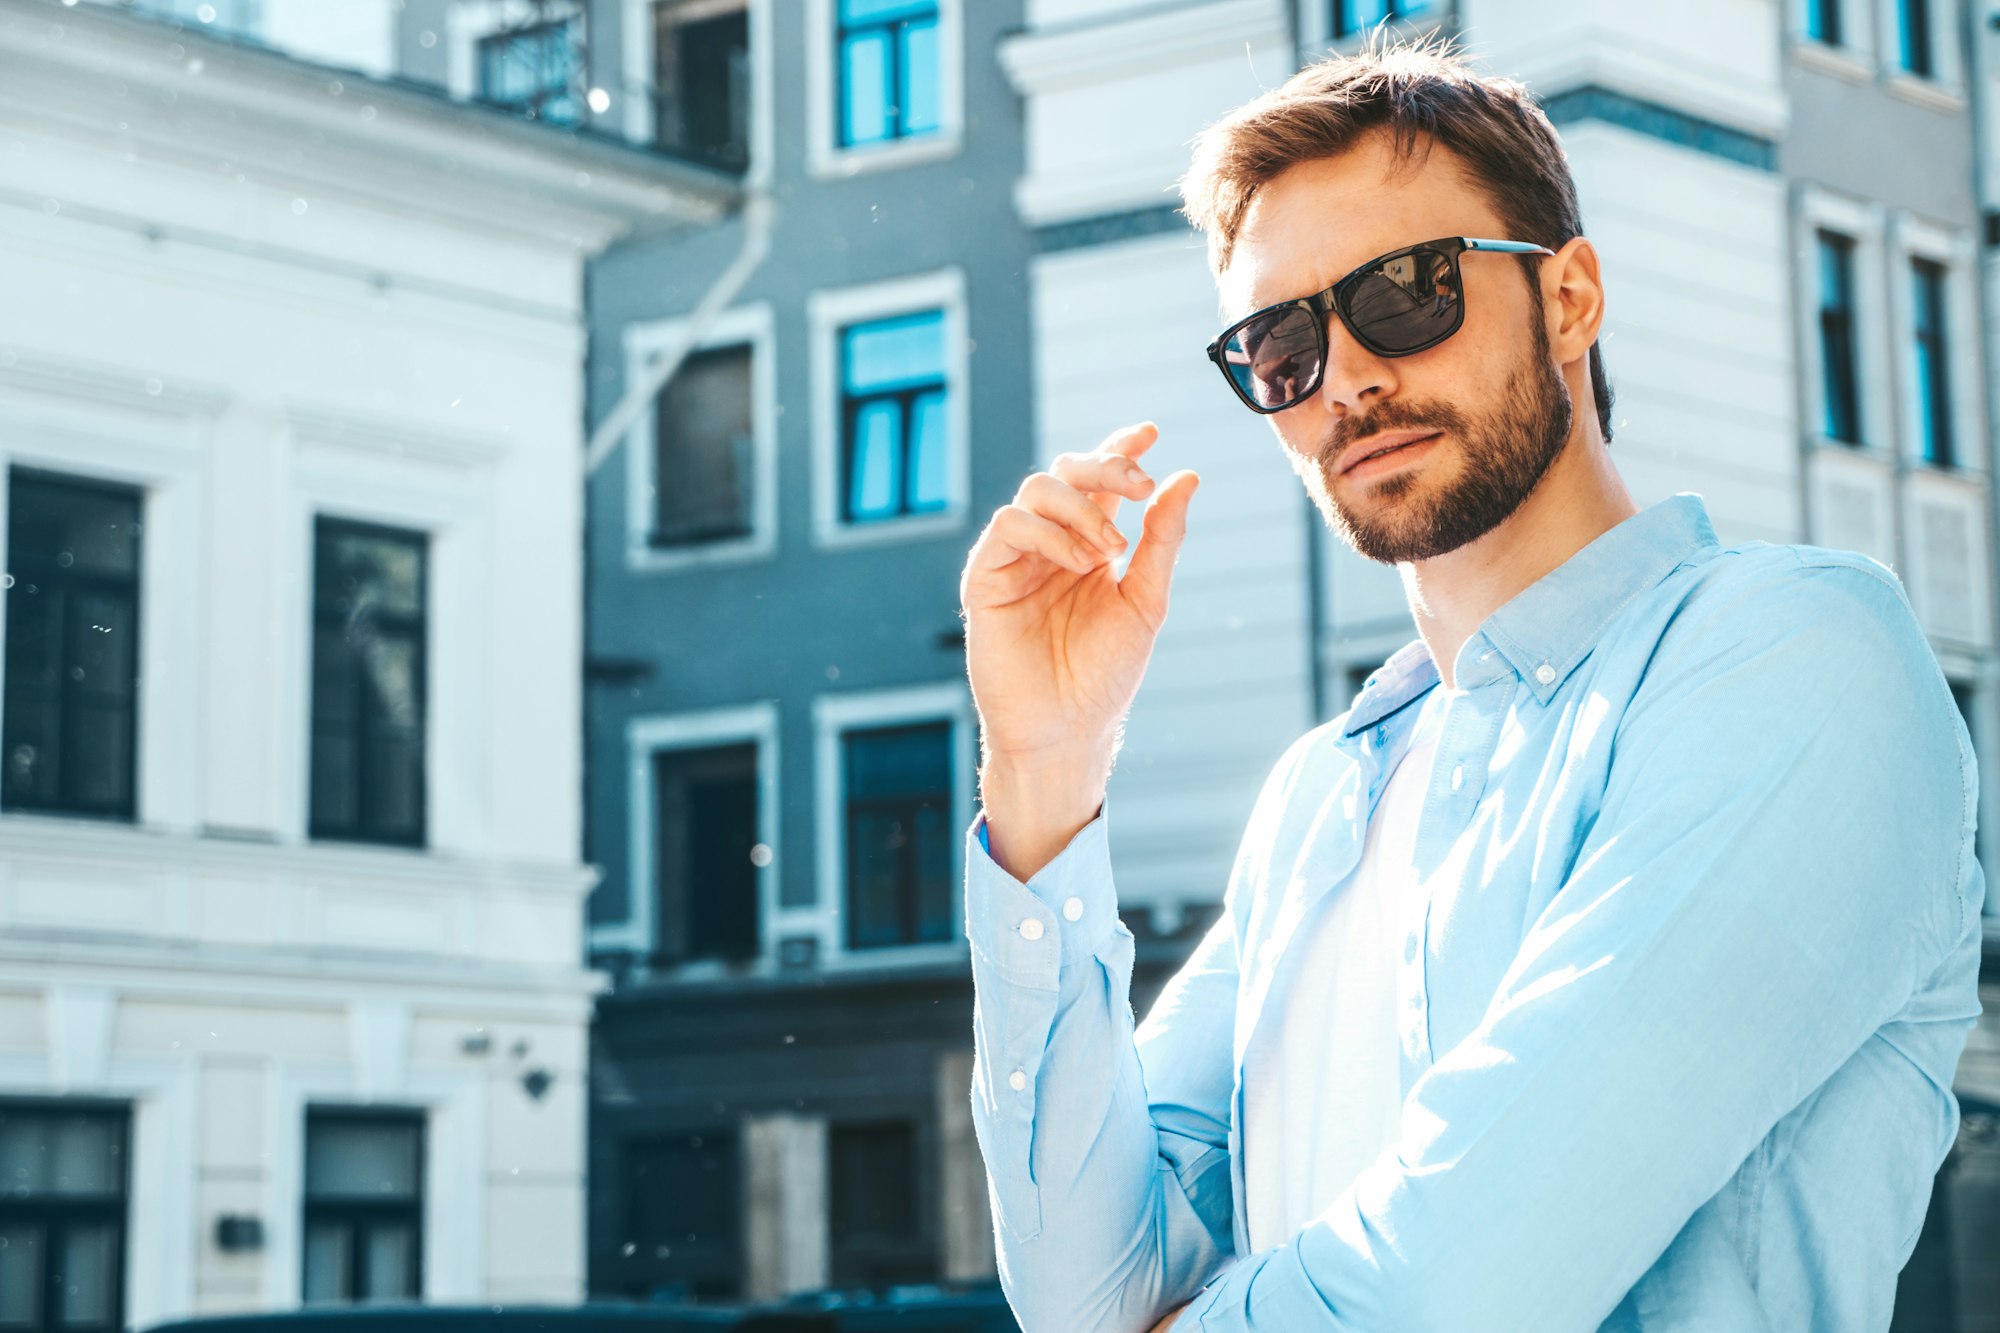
<point x="1334" y="300"/>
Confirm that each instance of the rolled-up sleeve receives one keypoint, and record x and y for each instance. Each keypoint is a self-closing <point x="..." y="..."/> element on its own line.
<point x="1781" y="860"/>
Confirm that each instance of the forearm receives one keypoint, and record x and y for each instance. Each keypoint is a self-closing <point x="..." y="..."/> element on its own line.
<point x="1105" y="1218"/>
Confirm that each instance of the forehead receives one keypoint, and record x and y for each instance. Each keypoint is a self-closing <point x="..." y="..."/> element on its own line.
<point x="1320" y="219"/>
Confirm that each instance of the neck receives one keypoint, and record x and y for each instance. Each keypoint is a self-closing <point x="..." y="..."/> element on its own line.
<point x="1581" y="498"/>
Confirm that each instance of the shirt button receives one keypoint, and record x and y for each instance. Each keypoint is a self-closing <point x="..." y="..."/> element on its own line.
<point x="1031" y="928"/>
<point x="1457" y="776"/>
<point x="1017" y="1080"/>
<point x="1545" y="673"/>
<point x="1073" y="909"/>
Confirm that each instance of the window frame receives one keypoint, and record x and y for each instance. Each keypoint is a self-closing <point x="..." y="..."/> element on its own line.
<point x="1864" y="223"/>
<point x="646" y="737"/>
<point x="53" y="1211"/>
<point x="425" y="635"/>
<point x="833" y="716"/>
<point x="828" y="314"/>
<point x="357" y="1213"/>
<point x="751" y="325"/>
<point x="826" y="157"/>
<point x="1912" y="238"/>
<point x="126" y="812"/>
<point x="1943" y="87"/>
<point x="469" y="23"/>
<point x="638" y="64"/>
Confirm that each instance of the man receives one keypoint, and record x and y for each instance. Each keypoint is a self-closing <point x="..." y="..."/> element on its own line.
<point x="1606" y="965"/>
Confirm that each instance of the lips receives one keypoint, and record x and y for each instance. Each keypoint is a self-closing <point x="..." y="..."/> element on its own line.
<point x="1376" y="445"/>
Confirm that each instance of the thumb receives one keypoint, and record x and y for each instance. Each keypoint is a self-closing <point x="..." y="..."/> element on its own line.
<point x="1151" y="569"/>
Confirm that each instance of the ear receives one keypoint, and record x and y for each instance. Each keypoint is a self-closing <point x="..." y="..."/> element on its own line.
<point x="1573" y="297"/>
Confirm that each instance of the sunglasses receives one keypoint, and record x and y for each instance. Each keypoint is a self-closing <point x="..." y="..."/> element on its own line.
<point x="1394" y="305"/>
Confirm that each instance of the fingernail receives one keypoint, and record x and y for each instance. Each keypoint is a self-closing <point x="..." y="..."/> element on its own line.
<point x="1114" y="536"/>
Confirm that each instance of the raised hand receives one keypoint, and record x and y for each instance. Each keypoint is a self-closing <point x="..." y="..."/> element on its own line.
<point x="1056" y="642"/>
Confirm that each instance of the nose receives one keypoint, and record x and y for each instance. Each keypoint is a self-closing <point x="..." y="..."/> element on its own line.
<point x="1355" y="377"/>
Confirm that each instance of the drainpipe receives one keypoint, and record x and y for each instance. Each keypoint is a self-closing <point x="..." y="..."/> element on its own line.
<point x="758" y="211"/>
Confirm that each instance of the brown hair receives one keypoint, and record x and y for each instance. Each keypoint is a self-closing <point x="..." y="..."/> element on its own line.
<point x="1421" y="93"/>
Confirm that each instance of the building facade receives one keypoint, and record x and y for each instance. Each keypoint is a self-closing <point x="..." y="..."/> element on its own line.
<point x="781" y="741"/>
<point x="1796" y="227"/>
<point x="293" y="1004"/>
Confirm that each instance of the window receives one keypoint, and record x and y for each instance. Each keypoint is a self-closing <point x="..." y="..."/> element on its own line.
<point x="704" y="431"/>
<point x="369" y="659"/>
<point x="1354" y="16"/>
<point x="535" y="69"/>
<point x="1932" y="381"/>
<point x="1823" y="20"/>
<point x="683" y="1216"/>
<point x="241" y="18"/>
<point x="875" y="1217"/>
<point x="1914" y="47"/>
<point x="898" y="794"/>
<point x="364" y="1205"/>
<point x="1840" y="385"/>
<point x="62" y="1217"/>
<point x="72" y="691"/>
<point x="701" y="80"/>
<point x="709" y="852"/>
<point x="893" y="423"/>
<point x="889" y="70"/>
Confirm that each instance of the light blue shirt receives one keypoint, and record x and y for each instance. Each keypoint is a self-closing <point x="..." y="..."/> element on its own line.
<point x="1679" y="1015"/>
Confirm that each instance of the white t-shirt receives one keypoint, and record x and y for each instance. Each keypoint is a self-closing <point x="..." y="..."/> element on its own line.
<point x="1322" y="1079"/>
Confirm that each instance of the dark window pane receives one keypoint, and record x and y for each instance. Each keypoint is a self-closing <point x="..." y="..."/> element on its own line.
<point x="681" y="1213"/>
<point x="874" y="1205"/>
<point x="368" y="689"/>
<point x="705" y="429"/>
<point x="329" y="1261"/>
<point x="702" y="84"/>
<point x="20" y="1275"/>
<point x="1913" y="32"/>
<point x="898" y="790"/>
<point x="1823" y="21"/>
<point x="708" y="882"/>
<point x="72" y="687"/>
<point x="87" y="1275"/>
<point x="1933" y="353"/>
<point x="362" y="1158"/>
<point x="1841" y="411"/>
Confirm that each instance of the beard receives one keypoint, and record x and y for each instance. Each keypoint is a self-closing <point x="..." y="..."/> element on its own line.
<point x="1506" y="453"/>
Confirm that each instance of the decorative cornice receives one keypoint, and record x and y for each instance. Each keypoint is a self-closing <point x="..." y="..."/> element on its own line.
<point x="1123" y="45"/>
<point x="332" y="427"/>
<point x="89" y="68"/>
<point x="62" y="377"/>
<point x="1680" y="128"/>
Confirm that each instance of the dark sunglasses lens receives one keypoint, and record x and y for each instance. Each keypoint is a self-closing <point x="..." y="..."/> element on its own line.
<point x="1274" y="358"/>
<point x="1405" y="303"/>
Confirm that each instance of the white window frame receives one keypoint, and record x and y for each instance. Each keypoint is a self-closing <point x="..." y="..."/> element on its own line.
<point x="827" y="313"/>
<point x="636" y="112"/>
<point x="1911" y="237"/>
<point x="834" y="715"/>
<point x="468" y="22"/>
<point x="1863" y="222"/>
<point x="1854" y="59"/>
<point x="753" y="326"/>
<point x="1943" y="90"/>
<point x="155" y="442"/>
<point x="825" y="158"/>
<point x="645" y="738"/>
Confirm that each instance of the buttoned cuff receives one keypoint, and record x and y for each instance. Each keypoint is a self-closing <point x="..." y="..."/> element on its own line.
<point x="1065" y="912"/>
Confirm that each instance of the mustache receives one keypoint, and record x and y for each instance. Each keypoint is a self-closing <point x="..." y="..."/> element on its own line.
<point x="1344" y="434"/>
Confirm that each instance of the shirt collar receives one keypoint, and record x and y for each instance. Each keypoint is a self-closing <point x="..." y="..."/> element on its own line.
<point x="1550" y="626"/>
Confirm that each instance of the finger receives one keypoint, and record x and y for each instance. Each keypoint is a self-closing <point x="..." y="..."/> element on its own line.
<point x="1016" y="535"/>
<point x="1064" y="504"/>
<point x="1151" y="570"/>
<point x="1105" y="478"/>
